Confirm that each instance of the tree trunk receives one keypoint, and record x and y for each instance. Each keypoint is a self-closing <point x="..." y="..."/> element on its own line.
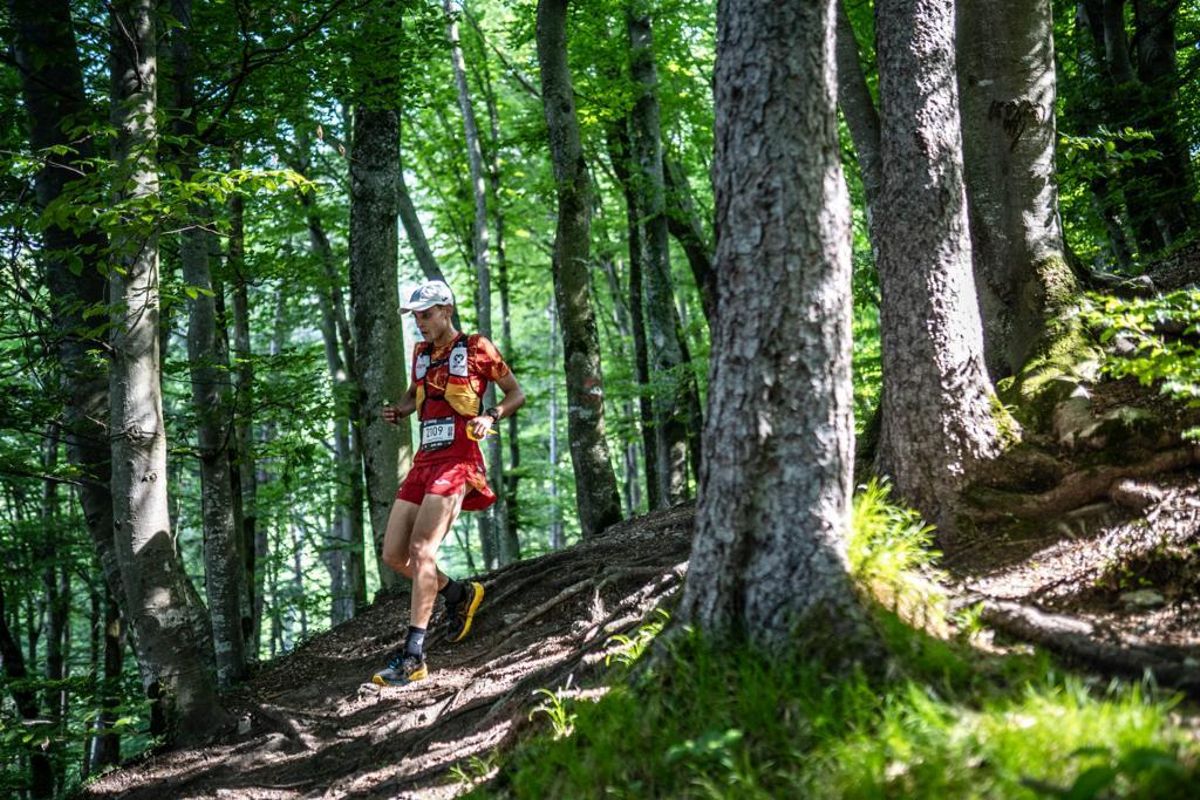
<point x="1171" y="172"/>
<point x="621" y="318"/>
<point x="769" y="553"/>
<point x="56" y="586"/>
<point x="209" y="367"/>
<point x="246" y="471"/>
<point x="106" y="746"/>
<point x="498" y="513"/>
<point x="666" y="352"/>
<point x="939" y="413"/>
<point x="13" y="662"/>
<point x="1007" y="77"/>
<point x="52" y="89"/>
<point x="854" y="99"/>
<point x="511" y="542"/>
<point x="556" y="538"/>
<point x="345" y="558"/>
<point x="172" y="635"/>
<point x="685" y="226"/>
<point x="375" y="303"/>
<point x="619" y="152"/>
<point x="595" y="484"/>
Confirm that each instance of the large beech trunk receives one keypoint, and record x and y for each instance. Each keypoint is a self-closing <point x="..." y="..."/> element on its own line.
<point x="1007" y="74"/>
<point x="769" y="553"/>
<point x="171" y="626"/>
<point x="938" y="408"/>
<point x="595" y="483"/>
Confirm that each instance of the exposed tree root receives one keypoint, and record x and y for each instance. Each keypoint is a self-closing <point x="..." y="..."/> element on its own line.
<point x="1079" y="640"/>
<point x="1078" y="488"/>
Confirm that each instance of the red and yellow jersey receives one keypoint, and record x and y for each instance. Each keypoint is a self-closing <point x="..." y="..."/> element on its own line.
<point x="450" y="383"/>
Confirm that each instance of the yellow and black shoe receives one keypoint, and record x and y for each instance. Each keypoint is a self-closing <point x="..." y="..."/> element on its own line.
<point x="459" y="615"/>
<point x="402" y="669"/>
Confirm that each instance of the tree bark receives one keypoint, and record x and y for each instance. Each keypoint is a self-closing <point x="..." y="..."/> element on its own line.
<point x="685" y="226"/>
<point x="56" y="589"/>
<point x="345" y="559"/>
<point x="208" y="362"/>
<point x="52" y="89"/>
<point x="13" y="662"/>
<point x="597" y="498"/>
<point x="245" y="468"/>
<point x="619" y="152"/>
<point x="512" y="542"/>
<point x="1007" y="76"/>
<point x="106" y="746"/>
<point x="666" y="352"/>
<point x="556" y="537"/>
<point x="171" y="627"/>
<point x="854" y="99"/>
<point x="939" y="413"/>
<point x="374" y="297"/>
<point x="498" y="513"/>
<point x="769" y="552"/>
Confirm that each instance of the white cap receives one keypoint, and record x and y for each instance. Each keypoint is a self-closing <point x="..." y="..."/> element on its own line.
<point x="428" y="295"/>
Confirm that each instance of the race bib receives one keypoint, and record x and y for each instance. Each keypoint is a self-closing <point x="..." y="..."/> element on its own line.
<point x="437" y="433"/>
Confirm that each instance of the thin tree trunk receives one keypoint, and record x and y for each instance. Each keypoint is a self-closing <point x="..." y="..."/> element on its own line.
<point x="557" y="540"/>
<point x="939" y="413"/>
<point x="56" y="585"/>
<point x="595" y="484"/>
<point x="344" y="572"/>
<point x="685" y="226"/>
<point x="769" y="554"/>
<point x="619" y="149"/>
<point x="511" y="473"/>
<point x="13" y="662"/>
<point x="854" y="99"/>
<point x="666" y="351"/>
<point x="498" y="513"/>
<point x="172" y="634"/>
<point x="632" y="493"/>
<point x="209" y="366"/>
<point x="1006" y="70"/>
<point x="246" y="471"/>
<point x="106" y="746"/>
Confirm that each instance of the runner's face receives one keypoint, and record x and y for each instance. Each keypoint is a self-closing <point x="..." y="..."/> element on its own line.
<point x="433" y="322"/>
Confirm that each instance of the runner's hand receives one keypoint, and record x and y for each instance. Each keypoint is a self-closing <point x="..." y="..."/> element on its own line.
<point x="390" y="414"/>
<point x="479" y="427"/>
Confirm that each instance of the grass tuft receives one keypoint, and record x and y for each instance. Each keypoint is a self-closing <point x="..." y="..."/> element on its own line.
<point x="706" y="720"/>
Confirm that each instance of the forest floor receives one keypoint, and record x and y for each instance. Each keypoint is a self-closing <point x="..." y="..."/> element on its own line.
<point x="1112" y="584"/>
<point x="312" y="725"/>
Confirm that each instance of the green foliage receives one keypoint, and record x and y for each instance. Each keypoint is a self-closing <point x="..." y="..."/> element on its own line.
<point x="704" y="719"/>
<point x="891" y="555"/>
<point x="1155" y="340"/>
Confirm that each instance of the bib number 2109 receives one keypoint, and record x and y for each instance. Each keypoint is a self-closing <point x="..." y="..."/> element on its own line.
<point x="437" y="433"/>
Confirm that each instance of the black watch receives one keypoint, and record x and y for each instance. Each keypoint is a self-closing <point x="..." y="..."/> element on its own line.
<point x="494" y="413"/>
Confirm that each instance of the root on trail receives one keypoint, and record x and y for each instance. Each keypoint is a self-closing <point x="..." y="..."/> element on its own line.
<point x="1084" y="642"/>
<point x="1078" y="489"/>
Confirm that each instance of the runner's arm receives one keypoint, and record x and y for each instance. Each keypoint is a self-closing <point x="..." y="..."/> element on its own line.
<point x="407" y="405"/>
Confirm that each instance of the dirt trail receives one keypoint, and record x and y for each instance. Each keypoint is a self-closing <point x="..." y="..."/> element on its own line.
<point x="314" y="727"/>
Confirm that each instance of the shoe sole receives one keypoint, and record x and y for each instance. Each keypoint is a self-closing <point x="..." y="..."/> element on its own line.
<point x="419" y="675"/>
<point x="471" y="609"/>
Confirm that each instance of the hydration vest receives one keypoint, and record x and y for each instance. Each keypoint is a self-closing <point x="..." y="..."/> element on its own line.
<point x="459" y="392"/>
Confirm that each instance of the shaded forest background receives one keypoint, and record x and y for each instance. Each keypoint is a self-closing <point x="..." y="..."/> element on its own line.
<point x="270" y="126"/>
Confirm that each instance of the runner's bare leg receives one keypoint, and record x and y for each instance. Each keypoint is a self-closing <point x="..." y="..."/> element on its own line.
<point x="434" y="518"/>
